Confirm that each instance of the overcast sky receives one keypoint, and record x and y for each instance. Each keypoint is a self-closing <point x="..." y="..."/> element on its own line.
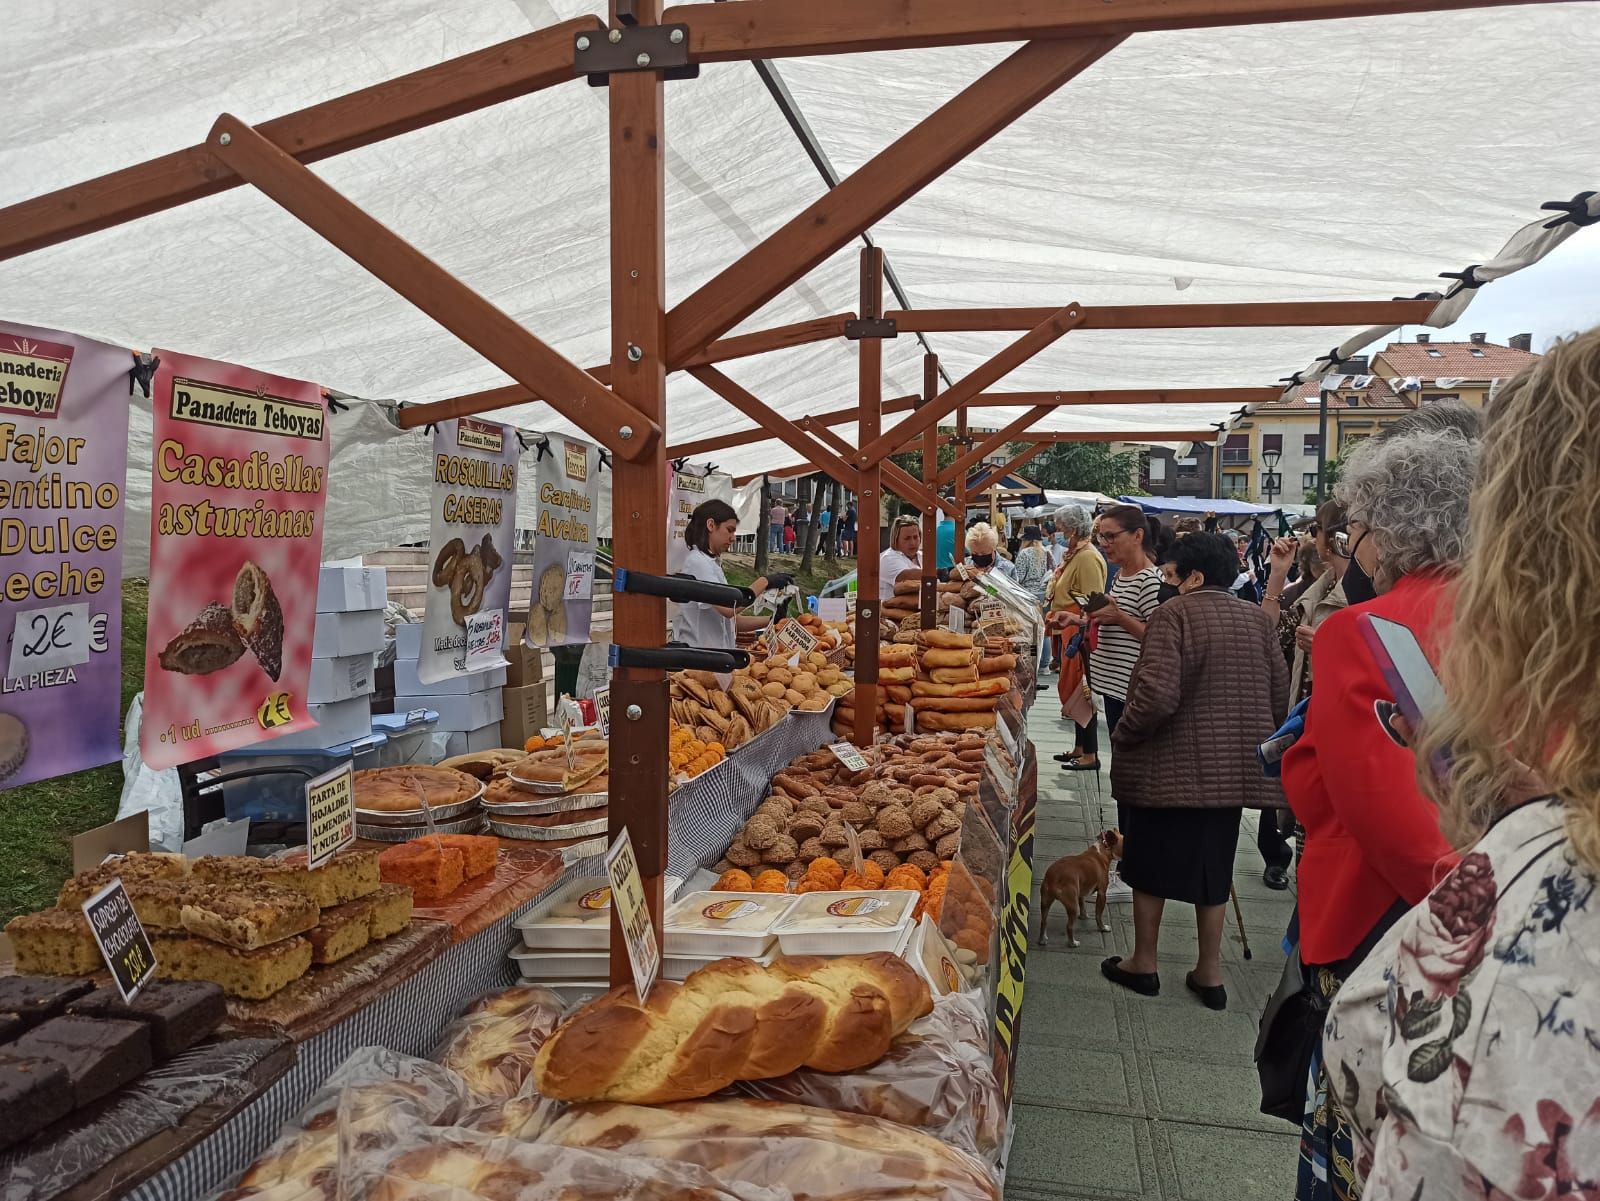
<point x="1556" y="296"/>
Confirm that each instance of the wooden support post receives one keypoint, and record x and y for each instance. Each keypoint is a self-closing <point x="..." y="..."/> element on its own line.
<point x="882" y="184"/>
<point x="1173" y="316"/>
<point x="928" y="595"/>
<point x="993" y="443"/>
<point x="638" y="508"/>
<point x="960" y="548"/>
<point x="870" y="508"/>
<point x="895" y="476"/>
<point x="1018" y="460"/>
<point x="812" y="423"/>
<point x="573" y="393"/>
<point x="776" y="424"/>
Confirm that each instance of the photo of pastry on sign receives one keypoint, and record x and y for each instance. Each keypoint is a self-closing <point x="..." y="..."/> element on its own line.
<point x="240" y="465"/>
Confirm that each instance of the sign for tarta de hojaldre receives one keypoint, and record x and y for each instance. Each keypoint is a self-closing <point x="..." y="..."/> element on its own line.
<point x="236" y="505"/>
<point x="63" y="464"/>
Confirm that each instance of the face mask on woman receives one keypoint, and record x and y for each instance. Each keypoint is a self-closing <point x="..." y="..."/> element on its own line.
<point x="982" y="560"/>
<point x="1166" y="592"/>
<point x="1358" y="585"/>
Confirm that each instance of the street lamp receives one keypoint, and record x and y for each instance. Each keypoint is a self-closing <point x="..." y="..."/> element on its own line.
<point x="1269" y="480"/>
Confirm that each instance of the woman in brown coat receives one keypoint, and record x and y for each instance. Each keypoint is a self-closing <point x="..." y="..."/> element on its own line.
<point x="1209" y="687"/>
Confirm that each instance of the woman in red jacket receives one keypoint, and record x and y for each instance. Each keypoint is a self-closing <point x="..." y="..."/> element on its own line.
<point x="1373" y="845"/>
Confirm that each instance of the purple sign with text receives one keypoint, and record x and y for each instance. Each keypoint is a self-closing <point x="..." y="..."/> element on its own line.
<point x="63" y="463"/>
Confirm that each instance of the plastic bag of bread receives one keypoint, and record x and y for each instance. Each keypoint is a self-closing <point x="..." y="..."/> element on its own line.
<point x="812" y="1153"/>
<point x="937" y="1078"/>
<point x="459" y="1165"/>
<point x="492" y="1045"/>
<point x="374" y="1105"/>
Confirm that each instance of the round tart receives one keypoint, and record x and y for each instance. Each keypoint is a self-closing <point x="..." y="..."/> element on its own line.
<point x="13" y="744"/>
<point x="403" y="789"/>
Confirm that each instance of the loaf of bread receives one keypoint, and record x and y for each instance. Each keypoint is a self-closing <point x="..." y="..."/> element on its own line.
<point x="989" y="686"/>
<point x="493" y="1044"/>
<point x="804" y="1151"/>
<point x="927" y="720"/>
<point x="732" y="1020"/>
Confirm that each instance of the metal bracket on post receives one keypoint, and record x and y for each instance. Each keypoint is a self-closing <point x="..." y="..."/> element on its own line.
<point x="663" y="48"/>
<point x="870" y="327"/>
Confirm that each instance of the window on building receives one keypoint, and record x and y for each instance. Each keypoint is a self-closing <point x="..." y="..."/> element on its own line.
<point x="1155" y="469"/>
<point x="1351" y="439"/>
<point x="1430" y="397"/>
<point x="1188" y="466"/>
<point x="1475" y="353"/>
<point x="1235" y="484"/>
<point x="1236" y="451"/>
<point x="1272" y="442"/>
<point x="1435" y="354"/>
<point x="1310" y="444"/>
<point x="1308" y="481"/>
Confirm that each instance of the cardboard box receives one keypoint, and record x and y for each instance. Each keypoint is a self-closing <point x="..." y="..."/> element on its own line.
<point x="464" y="742"/>
<point x="526" y="662"/>
<point x="408" y="641"/>
<point x="406" y="682"/>
<point x="527" y="710"/>
<point x="340" y="634"/>
<point x="338" y="722"/>
<point x="466" y="711"/>
<point x="341" y="678"/>
<point x="343" y="587"/>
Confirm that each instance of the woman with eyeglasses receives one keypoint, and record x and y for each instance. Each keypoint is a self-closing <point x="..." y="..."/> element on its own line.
<point x="903" y="559"/>
<point x="1373" y="847"/>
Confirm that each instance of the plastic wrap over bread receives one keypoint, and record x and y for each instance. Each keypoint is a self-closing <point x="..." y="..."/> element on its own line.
<point x="938" y="1078"/>
<point x="812" y="1153"/>
<point x="460" y="1165"/>
<point x="492" y="1045"/>
<point x="732" y="1020"/>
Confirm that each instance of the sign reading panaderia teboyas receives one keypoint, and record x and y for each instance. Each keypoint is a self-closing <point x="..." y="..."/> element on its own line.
<point x="241" y="461"/>
<point x="33" y="374"/>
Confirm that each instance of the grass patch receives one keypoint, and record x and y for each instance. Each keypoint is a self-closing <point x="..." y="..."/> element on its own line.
<point x="41" y="819"/>
<point x="741" y="569"/>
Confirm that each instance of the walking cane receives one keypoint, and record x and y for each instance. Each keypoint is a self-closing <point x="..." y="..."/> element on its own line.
<point x="1239" y="913"/>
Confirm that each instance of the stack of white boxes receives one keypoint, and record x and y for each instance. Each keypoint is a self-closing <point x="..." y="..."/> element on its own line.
<point x="470" y="707"/>
<point x="349" y="634"/>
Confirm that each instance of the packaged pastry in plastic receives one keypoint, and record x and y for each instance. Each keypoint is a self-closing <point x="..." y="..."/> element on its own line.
<point x="938" y="1077"/>
<point x="807" y="1152"/>
<point x="492" y="1045"/>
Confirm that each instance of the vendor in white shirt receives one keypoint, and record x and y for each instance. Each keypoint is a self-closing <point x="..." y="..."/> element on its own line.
<point x="711" y="531"/>
<point x="903" y="560"/>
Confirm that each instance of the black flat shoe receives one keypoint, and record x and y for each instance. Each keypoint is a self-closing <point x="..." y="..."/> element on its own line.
<point x="1079" y="765"/>
<point x="1068" y="756"/>
<point x="1146" y="984"/>
<point x="1213" y="995"/>
<point x="1276" y="878"/>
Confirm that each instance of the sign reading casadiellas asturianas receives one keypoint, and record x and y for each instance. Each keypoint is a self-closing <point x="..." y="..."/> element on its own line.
<point x="63" y="463"/>
<point x="241" y="464"/>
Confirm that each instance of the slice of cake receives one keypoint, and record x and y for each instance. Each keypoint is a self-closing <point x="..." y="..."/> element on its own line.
<point x="350" y="874"/>
<point x="99" y="1056"/>
<point x="479" y="852"/>
<point x="137" y="867"/>
<point x="343" y="931"/>
<point x="34" y="1092"/>
<point x="432" y="872"/>
<point x="253" y="975"/>
<point x="179" y="1013"/>
<point x="53" y="942"/>
<point x="389" y="910"/>
<point x="249" y="916"/>
<point x="34" y="999"/>
<point x="235" y="870"/>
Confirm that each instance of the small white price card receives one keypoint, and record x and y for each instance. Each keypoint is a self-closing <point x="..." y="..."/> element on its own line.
<point x="849" y="755"/>
<point x="792" y="636"/>
<point x="330" y="814"/>
<point x="602" y="711"/>
<point x="580" y="575"/>
<point x="486" y="640"/>
<point x="55" y="637"/>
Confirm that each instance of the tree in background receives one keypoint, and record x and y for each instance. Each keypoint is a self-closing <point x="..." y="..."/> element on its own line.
<point x="830" y="540"/>
<point x="811" y="492"/>
<point x="1330" y="471"/>
<point x="911" y="462"/>
<point x="1083" y="467"/>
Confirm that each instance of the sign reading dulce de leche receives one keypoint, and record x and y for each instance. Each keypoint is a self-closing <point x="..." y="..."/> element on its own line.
<point x="240" y="465"/>
<point x="63" y="463"/>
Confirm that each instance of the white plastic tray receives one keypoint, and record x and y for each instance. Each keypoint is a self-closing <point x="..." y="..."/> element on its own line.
<point x="809" y="928"/>
<point x="546" y="966"/>
<point x="751" y="917"/>
<point x="552" y="926"/>
<point x="675" y="967"/>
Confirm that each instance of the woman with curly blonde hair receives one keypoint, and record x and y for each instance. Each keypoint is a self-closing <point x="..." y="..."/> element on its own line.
<point x="1467" y="1046"/>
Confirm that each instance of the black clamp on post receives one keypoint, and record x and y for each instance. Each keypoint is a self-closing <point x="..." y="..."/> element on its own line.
<point x="675" y="656"/>
<point x="634" y="47"/>
<point x="870" y="327"/>
<point x="682" y="588"/>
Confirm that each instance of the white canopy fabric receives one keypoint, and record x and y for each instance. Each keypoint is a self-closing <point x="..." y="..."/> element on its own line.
<point x="1333" y="160"/>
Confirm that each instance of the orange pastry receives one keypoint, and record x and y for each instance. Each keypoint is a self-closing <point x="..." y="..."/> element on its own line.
<point x="430" y="871"/>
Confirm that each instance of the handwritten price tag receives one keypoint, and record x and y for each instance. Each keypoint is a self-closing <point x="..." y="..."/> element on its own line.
<point x="486" y="639"/>
<point x="55" y="637"/>
<point x="330" y="814"/>
<point x="849" y="755"/>
<point x="633" y="915"/>
<point x="602" y="711"/>
<point x="580" y="575"/>
<point x="792" y="636"/>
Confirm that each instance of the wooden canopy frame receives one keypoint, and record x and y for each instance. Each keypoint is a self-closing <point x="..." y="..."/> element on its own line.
<point x="622" y="403"/>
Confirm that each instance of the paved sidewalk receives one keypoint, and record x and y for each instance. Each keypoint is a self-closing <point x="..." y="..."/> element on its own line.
<point x="1121" y="1096"/>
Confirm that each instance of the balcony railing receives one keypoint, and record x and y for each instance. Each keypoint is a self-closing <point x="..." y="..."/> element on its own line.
<point x="1235" y="458"/>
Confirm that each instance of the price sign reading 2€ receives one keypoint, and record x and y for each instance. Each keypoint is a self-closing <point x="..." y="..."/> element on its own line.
<point x="54" y="637"/>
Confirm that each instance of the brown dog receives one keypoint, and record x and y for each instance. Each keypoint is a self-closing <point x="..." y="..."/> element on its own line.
<point x="1072" y="878"/>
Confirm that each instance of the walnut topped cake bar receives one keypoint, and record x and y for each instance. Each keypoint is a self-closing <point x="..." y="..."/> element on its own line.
<point x="248" y="916"/>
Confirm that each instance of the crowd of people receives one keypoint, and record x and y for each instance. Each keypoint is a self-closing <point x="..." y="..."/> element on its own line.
<point x="788" y="527"/>
<point x="1446" y="871"/>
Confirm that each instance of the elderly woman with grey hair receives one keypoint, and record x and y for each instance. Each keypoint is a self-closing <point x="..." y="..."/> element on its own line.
<point x="1082" y="573"/>
<point x="1373" y="845"/>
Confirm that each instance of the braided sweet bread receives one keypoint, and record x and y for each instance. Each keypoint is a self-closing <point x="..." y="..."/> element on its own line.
<point x="732" y="1020"/>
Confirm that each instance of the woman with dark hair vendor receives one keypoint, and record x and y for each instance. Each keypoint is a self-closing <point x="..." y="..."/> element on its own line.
<point x="711" y="531"/>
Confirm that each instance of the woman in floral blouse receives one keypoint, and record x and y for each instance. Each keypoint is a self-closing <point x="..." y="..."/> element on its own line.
<point x="1465" y="1051"/>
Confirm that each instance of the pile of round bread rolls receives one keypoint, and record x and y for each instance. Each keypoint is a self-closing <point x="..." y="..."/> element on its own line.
<point x="950" y="682"/>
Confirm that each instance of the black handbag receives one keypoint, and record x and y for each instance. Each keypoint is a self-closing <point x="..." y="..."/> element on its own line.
<point x="1291" y="1026"/>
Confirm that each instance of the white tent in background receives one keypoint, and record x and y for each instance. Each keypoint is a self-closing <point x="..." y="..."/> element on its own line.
<point x="1352" y="159"/>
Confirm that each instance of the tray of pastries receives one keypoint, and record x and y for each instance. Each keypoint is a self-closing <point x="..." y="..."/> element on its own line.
<point x="394" y="796"/>
<point x="549" y="827"/>
<point x="470" y="824"/>
<point x="503" y="797"/>
<point x="562" y="769"/>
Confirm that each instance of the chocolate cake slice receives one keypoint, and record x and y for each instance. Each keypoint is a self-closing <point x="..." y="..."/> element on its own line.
<point x="99" y="1056"/>
<point x="208" y="643"/>
<point x="33" y="1093"/>
<point x="179" y="1013"/>
<point x="258" y="618"/>
<point x="11" y="1025"/>
<point x="35" y="999"/>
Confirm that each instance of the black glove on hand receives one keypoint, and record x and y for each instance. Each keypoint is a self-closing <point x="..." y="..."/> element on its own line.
<point x="778" y="581"/>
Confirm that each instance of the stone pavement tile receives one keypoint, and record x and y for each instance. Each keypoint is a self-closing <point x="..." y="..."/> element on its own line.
<point x="1176" y="1022"/>
<point x="1056" y="961"/>
<point x="1211" y="1163"/>
<point x="1099" y="1079"/>
<point x="1071" y="1152"/>
<point x="1058" y="1014"/>
<point x="1209" y="1093"/>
